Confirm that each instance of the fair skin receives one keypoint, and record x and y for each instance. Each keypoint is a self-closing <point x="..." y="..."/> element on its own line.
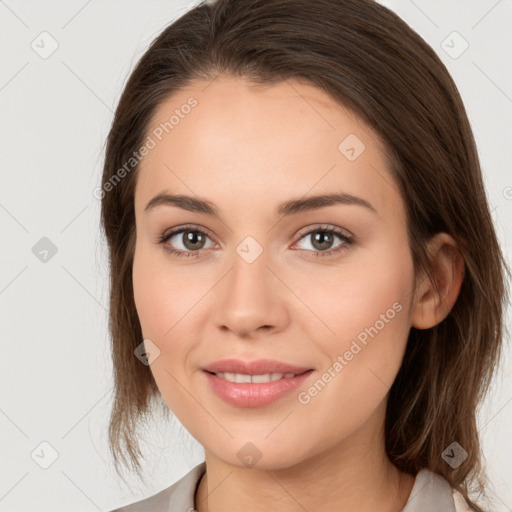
<point x="247" y="149"/>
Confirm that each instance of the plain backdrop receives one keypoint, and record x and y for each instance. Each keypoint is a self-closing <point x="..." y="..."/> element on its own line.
<point x="62" y="69"/>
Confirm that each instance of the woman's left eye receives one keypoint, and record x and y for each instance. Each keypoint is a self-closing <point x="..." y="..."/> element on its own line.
<point x="323" y="238"/>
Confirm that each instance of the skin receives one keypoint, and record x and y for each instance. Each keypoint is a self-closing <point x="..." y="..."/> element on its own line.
<point x="247" y="148"/>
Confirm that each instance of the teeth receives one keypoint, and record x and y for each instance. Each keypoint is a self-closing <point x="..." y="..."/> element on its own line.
<point x="240" y="377"/>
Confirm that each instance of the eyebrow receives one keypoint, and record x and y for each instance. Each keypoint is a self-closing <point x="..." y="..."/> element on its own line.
<point x="290" y="207"/>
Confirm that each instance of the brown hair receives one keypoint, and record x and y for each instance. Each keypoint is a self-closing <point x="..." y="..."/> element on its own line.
<point x="374" y="64"/>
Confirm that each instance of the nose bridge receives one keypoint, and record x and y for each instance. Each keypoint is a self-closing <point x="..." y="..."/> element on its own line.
<point x="248" y="298"/>
<point x="250" y="273"/>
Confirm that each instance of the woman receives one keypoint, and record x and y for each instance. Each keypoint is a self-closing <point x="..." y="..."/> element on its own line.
<point x="292" y="200"/>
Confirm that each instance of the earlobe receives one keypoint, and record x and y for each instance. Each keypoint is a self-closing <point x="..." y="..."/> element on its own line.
<point x="434" y="298"/>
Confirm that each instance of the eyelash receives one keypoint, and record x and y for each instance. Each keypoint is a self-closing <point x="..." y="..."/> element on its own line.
<point x="195" y="254"/>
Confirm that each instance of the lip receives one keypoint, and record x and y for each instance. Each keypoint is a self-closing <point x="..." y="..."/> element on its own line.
<point x="248" y="394"/>
<point x="257" y="367"/>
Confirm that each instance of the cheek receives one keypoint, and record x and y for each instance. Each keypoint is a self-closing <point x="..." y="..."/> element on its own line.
<point x="168" y="299"/>
<point x="164" y="298"/>
<point x="368" y="310"/>
<point x="164" y="294"/>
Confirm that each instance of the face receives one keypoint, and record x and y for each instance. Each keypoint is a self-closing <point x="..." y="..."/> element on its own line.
<point x="327" y="287"/>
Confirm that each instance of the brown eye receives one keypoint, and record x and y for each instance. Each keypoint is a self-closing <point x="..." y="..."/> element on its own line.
<point x="186" y="241"/>
<point x="193" y="240"/>
<point x="322" y="240"/>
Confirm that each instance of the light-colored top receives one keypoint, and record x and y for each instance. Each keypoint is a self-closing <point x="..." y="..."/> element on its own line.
<point x="430" y="493"/>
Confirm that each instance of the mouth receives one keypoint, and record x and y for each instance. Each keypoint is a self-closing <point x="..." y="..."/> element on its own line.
<point x="250" y="391"/>
<point x="244" y="378"/>
<point x="257" y="367"/>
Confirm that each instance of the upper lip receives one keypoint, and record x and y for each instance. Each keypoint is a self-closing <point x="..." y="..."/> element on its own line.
<point x="257" y="367"/>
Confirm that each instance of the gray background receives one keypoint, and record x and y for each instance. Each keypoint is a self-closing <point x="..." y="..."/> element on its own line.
<point x="55" y="369"/>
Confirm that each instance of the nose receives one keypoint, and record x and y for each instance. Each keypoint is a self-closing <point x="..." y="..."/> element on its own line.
<point x="251" y="299"/>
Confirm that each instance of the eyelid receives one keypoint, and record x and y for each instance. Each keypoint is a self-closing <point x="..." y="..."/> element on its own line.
<point x="184" y="227"/>
<point x="327" y="227"/>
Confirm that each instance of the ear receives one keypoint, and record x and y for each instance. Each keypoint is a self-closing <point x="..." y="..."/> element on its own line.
<point x="434" y="299"/>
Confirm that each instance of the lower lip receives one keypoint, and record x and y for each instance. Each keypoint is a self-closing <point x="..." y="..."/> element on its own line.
<point x="248" y="394"/>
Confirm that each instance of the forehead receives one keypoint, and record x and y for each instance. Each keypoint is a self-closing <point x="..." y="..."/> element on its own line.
<point x="242" y="140"/>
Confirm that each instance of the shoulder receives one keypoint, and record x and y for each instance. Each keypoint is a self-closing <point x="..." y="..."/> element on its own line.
<point x="178" y="497"/>
<point x="433" y="492"/>
<point x="460" y="503"/>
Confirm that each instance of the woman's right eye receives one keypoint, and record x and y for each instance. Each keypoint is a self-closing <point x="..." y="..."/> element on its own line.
<point x="189" y="238"/>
